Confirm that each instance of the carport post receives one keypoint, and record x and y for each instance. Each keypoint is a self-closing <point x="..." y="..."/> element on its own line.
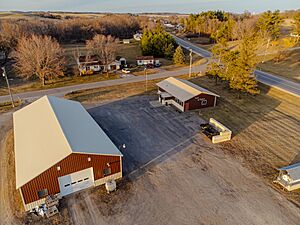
<point x="191" y="60"/>
<point x="145" y="72"/>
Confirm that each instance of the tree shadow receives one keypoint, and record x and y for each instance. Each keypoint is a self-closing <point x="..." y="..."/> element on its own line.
<point x="234" y="112"/>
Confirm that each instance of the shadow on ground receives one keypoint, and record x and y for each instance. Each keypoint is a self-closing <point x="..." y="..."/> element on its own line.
<point x="236" y="113"/>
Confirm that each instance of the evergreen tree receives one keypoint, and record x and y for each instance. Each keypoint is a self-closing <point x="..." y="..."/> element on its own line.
<point x="220" y="49"/>
<point x="158" y="43"/>
<point x="179" y="57"/>
<point x="242" y="76"/>
<point x="169" y="51"/>
<point x="296" y="24"/>
<point x="269" y="22"/>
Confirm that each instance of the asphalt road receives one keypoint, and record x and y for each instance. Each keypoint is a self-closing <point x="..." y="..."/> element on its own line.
<point x="61" y="91"/>
<point x="263" y="77"/>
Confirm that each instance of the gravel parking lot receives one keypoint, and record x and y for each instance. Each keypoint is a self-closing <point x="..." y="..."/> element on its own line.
<point x="147" y="131"/>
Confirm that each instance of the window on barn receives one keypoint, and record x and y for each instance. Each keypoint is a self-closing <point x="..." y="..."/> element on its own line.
<point x="43" y="193"/>
<point x="107" y="171"/>
<point x="204" y="102"/>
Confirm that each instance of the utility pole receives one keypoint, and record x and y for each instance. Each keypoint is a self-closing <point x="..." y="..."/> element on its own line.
<point x="268" y="43"/>
<point x="11" y="97"/>
<point x="145" y="72"/>
<point x="191" y="61"/>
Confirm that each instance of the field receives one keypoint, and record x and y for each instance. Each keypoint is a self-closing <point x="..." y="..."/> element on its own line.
<point x="265" y="129"/>
<point x="289" y="67"/>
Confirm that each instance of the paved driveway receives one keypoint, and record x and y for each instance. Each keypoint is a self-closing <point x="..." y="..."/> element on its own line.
<point x="147" y="131"/>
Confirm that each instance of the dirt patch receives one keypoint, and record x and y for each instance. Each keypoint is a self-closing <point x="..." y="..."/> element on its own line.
<point x="265" y="129"/>
<point x="198" y="185"/>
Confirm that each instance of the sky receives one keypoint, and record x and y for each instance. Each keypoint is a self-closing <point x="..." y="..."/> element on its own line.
<point x="138" y="6"/>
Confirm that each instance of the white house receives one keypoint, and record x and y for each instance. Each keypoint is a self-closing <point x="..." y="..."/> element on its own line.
<point x="137" y="36"/>
<point x="146" y="60"/>
<point x="88" y="64"/>
<point x="92" y="64"/>
<point x="126" y="41"/>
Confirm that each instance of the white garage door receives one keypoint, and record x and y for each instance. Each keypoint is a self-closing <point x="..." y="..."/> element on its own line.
<point x="76" y="181"/>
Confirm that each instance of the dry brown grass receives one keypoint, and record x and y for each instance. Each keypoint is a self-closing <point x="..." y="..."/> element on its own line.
<point x="288" y="68"/>
<point x="265" y="129"/>
<point x="59" y="82"/>
<point x="12" y="194"/>
<point x="7" y="106"/>
<point x="115" y="92"/>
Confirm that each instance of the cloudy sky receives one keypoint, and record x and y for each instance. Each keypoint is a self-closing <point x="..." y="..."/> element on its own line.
<point x="135" y="6"/>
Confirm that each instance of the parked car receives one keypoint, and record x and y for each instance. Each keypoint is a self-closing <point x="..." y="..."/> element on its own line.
<point x="125" y="70"/>
<point x="149" y="66"/>
<point x="157" y="64"/>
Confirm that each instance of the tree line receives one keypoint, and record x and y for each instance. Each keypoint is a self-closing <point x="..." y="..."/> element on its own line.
<point x="34" y="44"/>
<point x="208" y="23"/>
<point x="237" y="67"/>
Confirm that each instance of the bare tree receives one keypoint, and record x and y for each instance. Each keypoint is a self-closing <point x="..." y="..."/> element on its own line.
<point x="9" y="33"/>
<point x="104" y="47"/>
<point x="39" y="56"/>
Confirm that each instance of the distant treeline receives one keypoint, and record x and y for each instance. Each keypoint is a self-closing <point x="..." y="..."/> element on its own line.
<point x="208" y="23"/>
<point x="73" y="29"/>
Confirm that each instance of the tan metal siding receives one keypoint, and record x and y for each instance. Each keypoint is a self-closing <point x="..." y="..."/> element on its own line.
<point x="70" y="164"/>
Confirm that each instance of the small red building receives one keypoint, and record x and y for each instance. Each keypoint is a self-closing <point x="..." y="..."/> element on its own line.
<point x="60" y="149"/>
<point x="185" y="95"/>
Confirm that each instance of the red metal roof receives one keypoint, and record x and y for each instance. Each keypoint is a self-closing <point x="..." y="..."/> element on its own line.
<point x="145" y="58"/>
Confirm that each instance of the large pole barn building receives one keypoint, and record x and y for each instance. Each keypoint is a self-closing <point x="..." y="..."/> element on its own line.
<point x="60" y="149"/>
<point x="185" y="95"/>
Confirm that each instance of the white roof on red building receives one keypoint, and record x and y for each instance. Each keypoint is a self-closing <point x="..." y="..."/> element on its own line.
<point x="50" y="129"/>
<point x="182" y="89"/>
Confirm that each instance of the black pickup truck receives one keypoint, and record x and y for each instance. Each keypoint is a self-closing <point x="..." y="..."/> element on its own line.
<point x="209" y="130"/>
